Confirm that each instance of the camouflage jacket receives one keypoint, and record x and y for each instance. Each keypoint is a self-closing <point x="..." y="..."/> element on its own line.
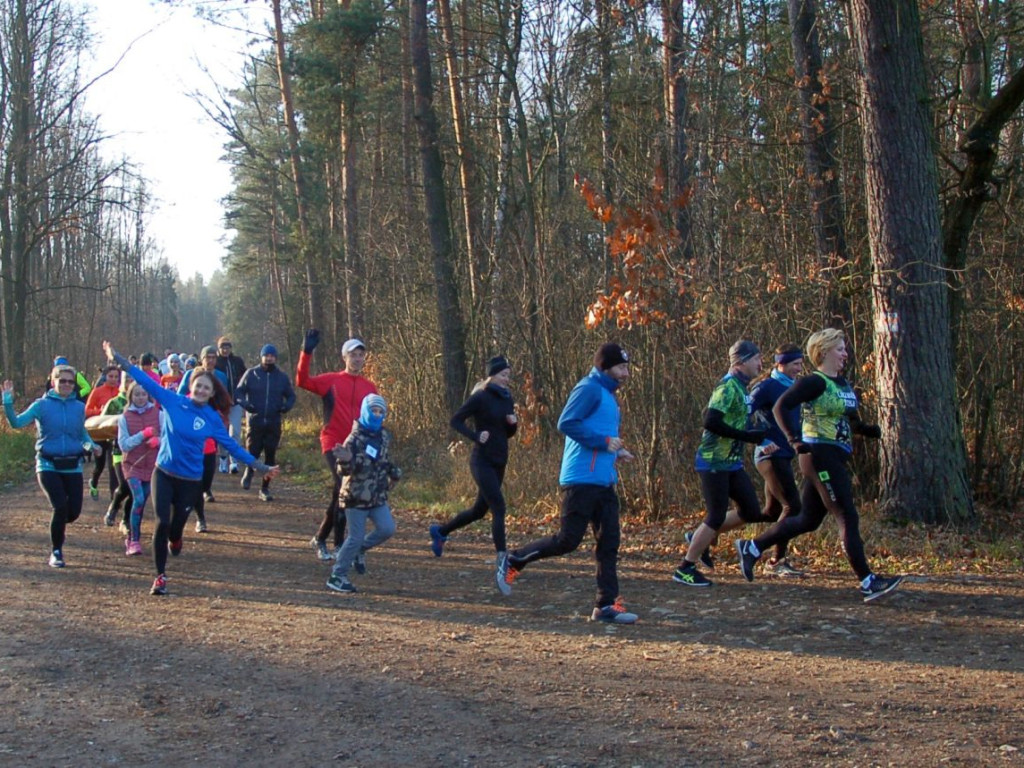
<point x="367" y="477"/>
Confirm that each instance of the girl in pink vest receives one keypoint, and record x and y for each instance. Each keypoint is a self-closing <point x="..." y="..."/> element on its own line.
<point x="138" y="434"/>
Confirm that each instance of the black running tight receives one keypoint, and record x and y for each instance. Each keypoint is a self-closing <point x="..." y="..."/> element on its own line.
<point x="173" y="499"/>
<point x="827" y="489"/>
<point x="64" y="492"/>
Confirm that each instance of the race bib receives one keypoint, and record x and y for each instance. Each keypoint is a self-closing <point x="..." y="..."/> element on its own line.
<point x="372" y="452"/>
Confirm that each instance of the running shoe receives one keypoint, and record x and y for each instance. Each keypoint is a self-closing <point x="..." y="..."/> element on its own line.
<point x="265" y="496"/>
<point x="744" y="548"/>
<point x="234" y="468"/>
<point x="208" y="498"/>
<point x="223" y="465"/>
<point x="320" y="547"/>
<point x="341" y="584"/>
<point x="56" y="559"/>
<point x="246" y="479"/>
<point x="437" y="540"/>
<point x="200" y="526"/>
<point x="108" y="519"/>
<point x="133" y="548"/>
<point x="615" y="613"/>
<point x="124" y="530"/>
<point x="513" y="568"/>
<point x="159" y="585"/>
<point x="360" y="562"/>
<point x="782" y="568"/>
<point x="705" y="557"/>
<point x="175" y="546"/>
<point x="877" y="587"/>
<point x="501" y="574"/>
<point x="689" y="575"/>
<point x="93" y="490"/>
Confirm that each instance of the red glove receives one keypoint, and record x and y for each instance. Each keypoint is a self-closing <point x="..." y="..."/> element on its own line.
<point x="147" y="432"/>
<point x="153" y="442"/>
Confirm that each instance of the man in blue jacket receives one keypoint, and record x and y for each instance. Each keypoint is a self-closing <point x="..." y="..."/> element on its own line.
<point x="590" y="423"/>
<point x="266" y="394"/>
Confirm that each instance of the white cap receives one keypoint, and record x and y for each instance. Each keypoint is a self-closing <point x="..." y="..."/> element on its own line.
<point x="351" y="344"/>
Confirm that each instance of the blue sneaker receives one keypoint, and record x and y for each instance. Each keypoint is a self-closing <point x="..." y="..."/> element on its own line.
<point x="877" y="587"/>
<point x="341" y="584"/>
<point x="614" y="614"/>
<point x="56" y="559"/>
<point x="437" y="540"/>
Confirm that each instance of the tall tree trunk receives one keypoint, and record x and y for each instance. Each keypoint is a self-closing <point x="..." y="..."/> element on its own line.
<point x="453" y="334"/>
<point x="604" y="64"/>
<point x="820" y="165"/>
<point x="467" y="170"/>
<point x="313" y="302"/>
<point x="676" y="107"/>
<point x="923" y="463"/>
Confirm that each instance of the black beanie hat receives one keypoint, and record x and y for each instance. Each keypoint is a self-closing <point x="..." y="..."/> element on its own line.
<point x="609" y="355"/>
<point x="742" y="351"/>
<point x="496" y="365"/>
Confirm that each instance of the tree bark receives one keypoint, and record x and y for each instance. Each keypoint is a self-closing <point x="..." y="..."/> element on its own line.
<point x="676" y="107"/>
<point x="313" y="301"/>
<point x="820" y="164"/>
<point x="453" y="335"/>
<point x="923" y="465"/>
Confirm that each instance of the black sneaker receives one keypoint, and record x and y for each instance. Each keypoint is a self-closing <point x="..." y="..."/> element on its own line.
<point x="879" y="587"/>
<point x="265" y="496"/>
<point x="208" y="498"/>
<point x="705" y="557"/>
<point x="175" y="547"/>
<point x="747" y="558"/>
<point x="689" y="575"/>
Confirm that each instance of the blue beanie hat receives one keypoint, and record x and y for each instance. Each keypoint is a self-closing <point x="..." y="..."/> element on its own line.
<point x="268" y="349"/>
<point x="60" y="360"/>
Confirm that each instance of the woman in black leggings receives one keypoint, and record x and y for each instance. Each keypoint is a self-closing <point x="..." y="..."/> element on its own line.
<point x="829" y="411"/>
<point x="59" y="417"/>
<point x="493" y="413"/>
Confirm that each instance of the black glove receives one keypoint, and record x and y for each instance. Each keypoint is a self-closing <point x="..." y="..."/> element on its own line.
<point x="312" y="339"/>
<point x="756" y="435"/>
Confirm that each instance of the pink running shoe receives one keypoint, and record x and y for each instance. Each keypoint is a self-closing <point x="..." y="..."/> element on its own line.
<point x="133" y="548"/>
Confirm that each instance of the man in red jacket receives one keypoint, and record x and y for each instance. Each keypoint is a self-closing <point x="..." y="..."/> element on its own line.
<point x="342" y="394"/>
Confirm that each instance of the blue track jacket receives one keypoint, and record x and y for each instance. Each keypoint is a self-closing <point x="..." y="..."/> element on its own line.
<point x="590" y="418"/>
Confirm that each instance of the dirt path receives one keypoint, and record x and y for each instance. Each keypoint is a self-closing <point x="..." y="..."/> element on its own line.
<point x="251" y="661"/>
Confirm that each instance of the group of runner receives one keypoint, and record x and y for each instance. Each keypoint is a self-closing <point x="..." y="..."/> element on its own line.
<point x="168" y="432"/>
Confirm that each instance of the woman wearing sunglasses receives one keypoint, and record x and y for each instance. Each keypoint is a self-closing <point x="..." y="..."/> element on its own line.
<point x="61" y="441"/>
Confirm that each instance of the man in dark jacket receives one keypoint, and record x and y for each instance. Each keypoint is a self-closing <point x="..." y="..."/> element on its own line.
<point x="233" y="368"/>
<point x="265" y="393"/>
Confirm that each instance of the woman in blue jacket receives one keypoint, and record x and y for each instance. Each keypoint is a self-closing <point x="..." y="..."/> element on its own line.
<point x="60" y="443"/>
<point x="177" y="480"/>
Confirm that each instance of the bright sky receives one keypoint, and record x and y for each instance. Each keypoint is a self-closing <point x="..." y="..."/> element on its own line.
<point x="144" y="104"/>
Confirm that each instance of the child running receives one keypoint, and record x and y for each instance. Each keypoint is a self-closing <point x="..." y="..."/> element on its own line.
<point x="367" y="474"/>
<point x="138" y="435"/>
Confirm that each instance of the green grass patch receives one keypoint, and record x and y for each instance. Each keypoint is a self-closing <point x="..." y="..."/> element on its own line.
<point x="17" y="455"/>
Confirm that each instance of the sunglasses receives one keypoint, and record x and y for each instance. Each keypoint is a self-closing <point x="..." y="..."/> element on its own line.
<point x="225" y="346"/>
<point x="65" y="381"/>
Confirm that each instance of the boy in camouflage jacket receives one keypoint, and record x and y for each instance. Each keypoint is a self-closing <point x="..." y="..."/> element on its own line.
<point x="367" y="475"/>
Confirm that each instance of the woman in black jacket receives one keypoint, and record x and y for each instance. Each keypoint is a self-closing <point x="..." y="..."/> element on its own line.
<point x="493" y="412"/>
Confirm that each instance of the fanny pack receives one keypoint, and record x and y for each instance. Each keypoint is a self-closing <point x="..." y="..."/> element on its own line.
<point x="62" y="462"/>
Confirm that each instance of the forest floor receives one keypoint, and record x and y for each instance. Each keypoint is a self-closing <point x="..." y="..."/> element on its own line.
<point x="251" y="661"/>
